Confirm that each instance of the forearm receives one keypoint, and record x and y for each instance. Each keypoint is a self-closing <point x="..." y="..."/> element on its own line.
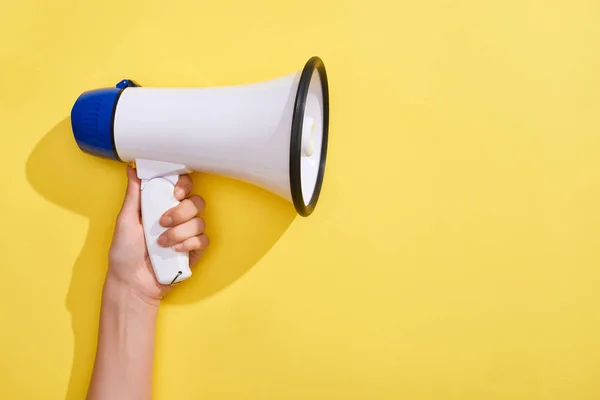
<point x="125" y="351"/>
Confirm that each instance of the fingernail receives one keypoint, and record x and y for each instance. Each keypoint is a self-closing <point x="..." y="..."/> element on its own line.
<point x="166" y="221"/>
<point x="178" y="247"/>
<point x="162" y="240"/>
<point x="179" y="193"/>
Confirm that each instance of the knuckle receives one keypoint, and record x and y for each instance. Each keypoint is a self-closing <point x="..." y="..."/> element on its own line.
<point x="187" y="204"/>
<point x="184" y="178"/>
<point x="182" y="211"/>
<point x="200" y="224"/>
<point x="198" y="201"/>
<point x="187" y="183"/>
<point x="184" y="184"/>
<point x="194" y="243"/>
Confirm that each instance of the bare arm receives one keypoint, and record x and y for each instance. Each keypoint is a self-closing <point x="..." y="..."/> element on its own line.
<point x="131" y="294"/>
<point x="123" y="367"/>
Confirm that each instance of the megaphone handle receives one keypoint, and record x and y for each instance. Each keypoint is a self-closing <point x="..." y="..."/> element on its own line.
<point x="157" y="197"/>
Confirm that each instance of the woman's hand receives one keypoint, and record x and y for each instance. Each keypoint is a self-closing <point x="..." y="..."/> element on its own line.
<point x="129" y="263"/>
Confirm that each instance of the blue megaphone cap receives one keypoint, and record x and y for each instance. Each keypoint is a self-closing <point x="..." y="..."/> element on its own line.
<point x="92" y="119"/>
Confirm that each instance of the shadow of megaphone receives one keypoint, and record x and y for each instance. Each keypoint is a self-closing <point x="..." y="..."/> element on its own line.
<point x="93" y="187"/>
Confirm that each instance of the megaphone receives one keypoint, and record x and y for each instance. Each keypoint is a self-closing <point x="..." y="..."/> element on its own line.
<point x="271" y="134"/>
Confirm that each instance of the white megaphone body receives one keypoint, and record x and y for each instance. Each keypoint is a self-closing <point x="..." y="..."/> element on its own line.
<point x="272" y="134"/>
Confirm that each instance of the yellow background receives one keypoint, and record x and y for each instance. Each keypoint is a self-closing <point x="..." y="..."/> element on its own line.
<point x="454" y="253"/>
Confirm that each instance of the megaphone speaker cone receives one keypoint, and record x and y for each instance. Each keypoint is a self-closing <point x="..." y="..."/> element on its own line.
<point x="309" y="137"/>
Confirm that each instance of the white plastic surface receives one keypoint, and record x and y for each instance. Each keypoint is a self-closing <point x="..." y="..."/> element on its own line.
<point x="238" y="131"/>
<point x="148" y="169"/>
<point x="158" y="183"/>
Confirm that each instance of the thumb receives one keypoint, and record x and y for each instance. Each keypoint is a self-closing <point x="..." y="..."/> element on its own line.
<point x="131" y="203"/>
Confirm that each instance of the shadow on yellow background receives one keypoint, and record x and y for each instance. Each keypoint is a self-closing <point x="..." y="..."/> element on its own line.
<point x="455" y="251"/>
<point x="75" y="183"/>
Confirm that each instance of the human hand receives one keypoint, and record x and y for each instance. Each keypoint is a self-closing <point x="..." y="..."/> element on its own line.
<point x="129" y="264"/>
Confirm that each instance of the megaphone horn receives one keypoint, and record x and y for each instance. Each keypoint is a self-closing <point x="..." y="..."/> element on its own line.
<point x="272" y="134"/>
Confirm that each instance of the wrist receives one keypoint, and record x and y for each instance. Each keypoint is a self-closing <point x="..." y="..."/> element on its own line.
<point x="120" y="295"/>
<point x="125" y="350"/>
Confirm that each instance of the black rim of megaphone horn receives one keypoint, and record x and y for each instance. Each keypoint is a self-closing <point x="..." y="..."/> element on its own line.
<point x="314" y="63"/>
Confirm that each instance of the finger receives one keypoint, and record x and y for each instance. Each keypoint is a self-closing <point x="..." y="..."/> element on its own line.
<point x="131" y="202"/>
<point x="184" y="211"/>
<point x="183" y="187"/>
<point x="194" y="256"/>
<point x="181" y="232"/>
<point x="199" y="242"/>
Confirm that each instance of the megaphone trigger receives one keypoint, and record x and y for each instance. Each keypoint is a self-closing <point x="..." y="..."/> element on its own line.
<point x="158" y="180"/>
